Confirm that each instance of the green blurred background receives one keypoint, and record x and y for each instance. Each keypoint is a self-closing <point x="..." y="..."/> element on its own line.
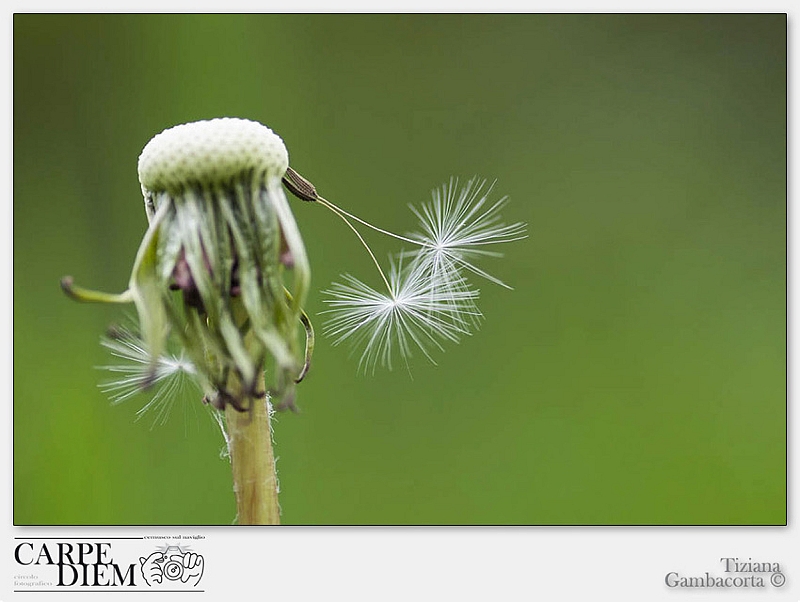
<point x="636" y="374"/>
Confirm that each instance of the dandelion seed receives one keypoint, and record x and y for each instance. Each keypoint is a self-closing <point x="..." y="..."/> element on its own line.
<point x="415" y="313"/>
<point x="173" y="376"/>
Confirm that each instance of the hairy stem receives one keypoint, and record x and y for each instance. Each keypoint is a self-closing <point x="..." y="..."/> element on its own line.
<point x="254" y="479"/>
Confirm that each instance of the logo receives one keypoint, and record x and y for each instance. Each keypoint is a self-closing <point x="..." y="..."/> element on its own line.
<point x="67" y="564"/>
<point x="172" y="564"/>
<point x="125" y="564"/>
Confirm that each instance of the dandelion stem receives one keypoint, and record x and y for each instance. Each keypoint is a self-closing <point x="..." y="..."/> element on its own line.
<point x="250" y="444"/>
<point x="249" y="438"/>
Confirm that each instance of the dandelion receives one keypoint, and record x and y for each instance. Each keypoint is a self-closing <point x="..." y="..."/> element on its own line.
<point x="223" y="271"/>
<point x="221" y="277"/>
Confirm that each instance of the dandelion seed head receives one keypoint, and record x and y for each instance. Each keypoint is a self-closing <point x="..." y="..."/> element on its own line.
<point x="222" y="267"/>
<point x="212" y="272"/>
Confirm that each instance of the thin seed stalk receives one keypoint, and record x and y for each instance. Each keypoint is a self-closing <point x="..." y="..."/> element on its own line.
<point x="255" y="482"/>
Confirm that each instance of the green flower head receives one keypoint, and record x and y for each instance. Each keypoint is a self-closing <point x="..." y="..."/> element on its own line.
<point x="212" y="268"/>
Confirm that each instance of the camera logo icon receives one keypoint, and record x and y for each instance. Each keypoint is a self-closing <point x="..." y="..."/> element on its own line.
<point x="173" y="569"/>
<point x="172" y="564"/>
